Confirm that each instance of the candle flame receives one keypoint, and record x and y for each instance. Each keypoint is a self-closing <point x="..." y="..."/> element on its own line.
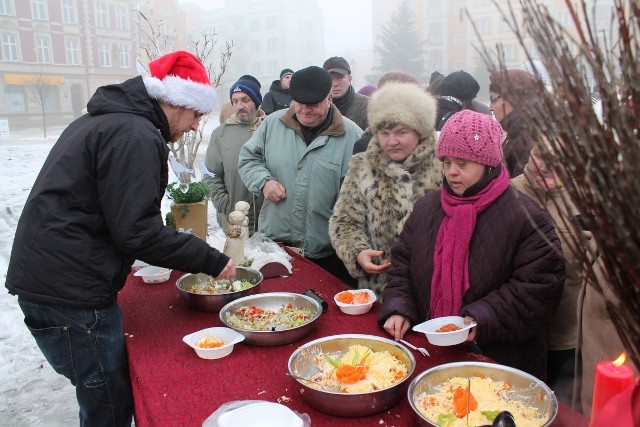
<point x="620" y="360"/>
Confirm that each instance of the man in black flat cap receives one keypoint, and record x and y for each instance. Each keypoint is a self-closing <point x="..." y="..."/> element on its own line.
<point x="349" y="102"/>
<point x="297" y="160"/>
<point x="278" y="96"/>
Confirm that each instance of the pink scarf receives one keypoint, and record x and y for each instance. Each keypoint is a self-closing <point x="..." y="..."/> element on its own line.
<point x="451" y="257"/>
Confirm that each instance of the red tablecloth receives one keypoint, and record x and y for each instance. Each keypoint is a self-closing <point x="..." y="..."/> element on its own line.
<point x="172" y="386"/>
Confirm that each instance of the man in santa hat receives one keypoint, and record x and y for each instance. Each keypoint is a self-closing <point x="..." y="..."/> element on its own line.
<point x="93" y="210"/>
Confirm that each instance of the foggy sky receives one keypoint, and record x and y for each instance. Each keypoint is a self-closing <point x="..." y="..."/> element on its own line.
<point x="344" y="21"/>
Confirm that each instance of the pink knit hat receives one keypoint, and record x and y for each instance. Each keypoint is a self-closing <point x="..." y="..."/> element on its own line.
<point x="471" y="136"/>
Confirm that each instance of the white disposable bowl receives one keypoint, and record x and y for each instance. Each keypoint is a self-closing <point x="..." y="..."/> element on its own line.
<point x="153" y="274"/>
<point x="356" y="308"/>
<point x="227" y="335"/>
<point x="263" y="414"/>
<point x="430" y="327"/>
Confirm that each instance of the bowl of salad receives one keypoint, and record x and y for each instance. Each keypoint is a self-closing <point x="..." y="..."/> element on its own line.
<point x="272" y="318"/>
<point x="202" y="292"/>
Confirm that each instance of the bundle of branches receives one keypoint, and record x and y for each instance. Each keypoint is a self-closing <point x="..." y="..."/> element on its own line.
<point x="600" y="153"/>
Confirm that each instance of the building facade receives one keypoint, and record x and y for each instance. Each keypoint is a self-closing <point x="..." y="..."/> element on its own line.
<point x="448" y="30"/>
<point x="267" y="36"/>
<point x="55" y="53"/>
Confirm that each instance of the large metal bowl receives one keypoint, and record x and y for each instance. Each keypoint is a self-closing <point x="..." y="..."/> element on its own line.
<point x="273" y="301"/>
<point x="214" y="303"/>
<point x="524" y="387"/>
<point x="302" y="364"/>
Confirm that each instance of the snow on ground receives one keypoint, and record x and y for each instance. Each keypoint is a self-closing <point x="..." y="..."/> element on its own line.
<point x="31" y="392"/>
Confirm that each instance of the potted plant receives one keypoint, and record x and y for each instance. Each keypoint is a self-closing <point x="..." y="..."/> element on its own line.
<point x="189" y="207"/>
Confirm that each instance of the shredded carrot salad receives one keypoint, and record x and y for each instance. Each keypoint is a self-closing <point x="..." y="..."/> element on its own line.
<point x="346" y="297"/>
<point x="209" y="341"/>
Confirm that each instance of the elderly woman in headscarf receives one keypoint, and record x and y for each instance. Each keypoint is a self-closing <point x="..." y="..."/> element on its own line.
<point x="502" y="90"/>
<point x="478" y="249"/>
<point x="382" y="184"/>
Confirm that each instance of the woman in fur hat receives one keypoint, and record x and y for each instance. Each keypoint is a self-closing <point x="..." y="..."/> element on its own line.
<point x="382" y="184"/>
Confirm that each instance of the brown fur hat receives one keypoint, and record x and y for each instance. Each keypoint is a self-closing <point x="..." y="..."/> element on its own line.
<point x="402" y="103"/>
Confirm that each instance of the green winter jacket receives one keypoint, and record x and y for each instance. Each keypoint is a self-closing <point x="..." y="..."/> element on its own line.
<point x="311" y="175"/>
<point x="221" y="159"/>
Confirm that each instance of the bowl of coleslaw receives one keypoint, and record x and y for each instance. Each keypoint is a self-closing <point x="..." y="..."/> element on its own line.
<point x="272" y="318"/>
<point x="493" y="389"/>
<point x="202" y="292"/>
<point x="351" y="375"/>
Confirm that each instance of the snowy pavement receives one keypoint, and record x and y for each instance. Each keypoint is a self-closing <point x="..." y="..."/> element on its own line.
<point x="31" y="392"/>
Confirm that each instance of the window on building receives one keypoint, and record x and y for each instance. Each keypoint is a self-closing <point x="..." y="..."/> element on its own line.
<point x="125" y="56"/>
<point x="510" y="53"/>
<point x="102" y="15"/>
<point x="483" y="25"/>
<point x="6" y="7"/>
<point x="255" y="24"/>
<point x="272" y="67"/>
<point x="72" y="50"/>
<point x="15" y="99"/>
<point x="9" y="47"/>
<point x="51" y="99"/>
<point x="272" y="45"/>
<point x="506" y="25"/>
<point x="69" y="11"/>
<point x="105" y="54"/>
<point x="43" y="52"/>
<point x="434" y="7"/>
<point x="38" y="9"/>
<point x="256" y="46"/>
<point x="532" y="52"/>
<point x="121" y="18"/>
<point x="271" y="22"/>
<point x="256" y="68"/>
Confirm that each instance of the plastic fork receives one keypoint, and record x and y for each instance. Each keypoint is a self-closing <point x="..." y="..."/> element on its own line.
<point x="420" y="350"/>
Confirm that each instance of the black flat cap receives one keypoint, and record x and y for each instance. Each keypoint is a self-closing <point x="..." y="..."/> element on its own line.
<point x="310" y="85"/>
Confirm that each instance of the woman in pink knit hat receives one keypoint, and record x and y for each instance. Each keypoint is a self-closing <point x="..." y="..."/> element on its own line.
<point x="478" y="249"/>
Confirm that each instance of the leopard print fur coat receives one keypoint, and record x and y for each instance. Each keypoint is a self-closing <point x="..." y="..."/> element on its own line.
<point x="376" y="199"/>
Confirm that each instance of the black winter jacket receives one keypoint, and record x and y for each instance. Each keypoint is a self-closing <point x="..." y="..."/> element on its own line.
<point x="276" y="99"/>
<point x="95" y="207"/>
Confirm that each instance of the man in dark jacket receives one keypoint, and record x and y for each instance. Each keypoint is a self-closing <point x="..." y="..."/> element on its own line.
<point x="278" y="96"/>
<point x="350" y="104"/>
<point x="94" y="209"/>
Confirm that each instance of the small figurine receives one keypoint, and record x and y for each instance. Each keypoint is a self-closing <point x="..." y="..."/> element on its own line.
<point x="236" y="232"/>
<point x="243" y="207"/>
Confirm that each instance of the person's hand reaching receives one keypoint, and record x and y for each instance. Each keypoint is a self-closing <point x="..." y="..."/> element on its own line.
<point x="228" y="271"/>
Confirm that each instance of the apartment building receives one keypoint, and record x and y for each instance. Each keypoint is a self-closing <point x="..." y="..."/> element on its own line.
<point x="55" y="53"/>
<point x="267" y="36"/>
<point x="448" y="29"/>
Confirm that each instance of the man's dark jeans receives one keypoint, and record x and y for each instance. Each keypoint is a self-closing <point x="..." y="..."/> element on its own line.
<point x="87" y="346"/>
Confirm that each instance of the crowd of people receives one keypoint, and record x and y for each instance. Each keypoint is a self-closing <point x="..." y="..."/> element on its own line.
<point x="440" y="204"/>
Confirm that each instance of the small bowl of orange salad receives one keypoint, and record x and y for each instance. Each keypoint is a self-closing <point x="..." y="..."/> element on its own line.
<point x="355" y="301"/>
<point x="445" y="331"/>
<point x="213" y="343"/>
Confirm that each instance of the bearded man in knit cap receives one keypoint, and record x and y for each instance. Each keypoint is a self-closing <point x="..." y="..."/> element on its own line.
<point x="223" y="151"/>
<point x="278" y="96"/>
<point x="297" y="160"/>
<point x="350" y="103"/>
<point x="93" y="210"/>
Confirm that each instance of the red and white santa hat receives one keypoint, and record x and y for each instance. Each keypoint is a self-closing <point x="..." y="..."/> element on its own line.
<point x="180" y="79"/>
